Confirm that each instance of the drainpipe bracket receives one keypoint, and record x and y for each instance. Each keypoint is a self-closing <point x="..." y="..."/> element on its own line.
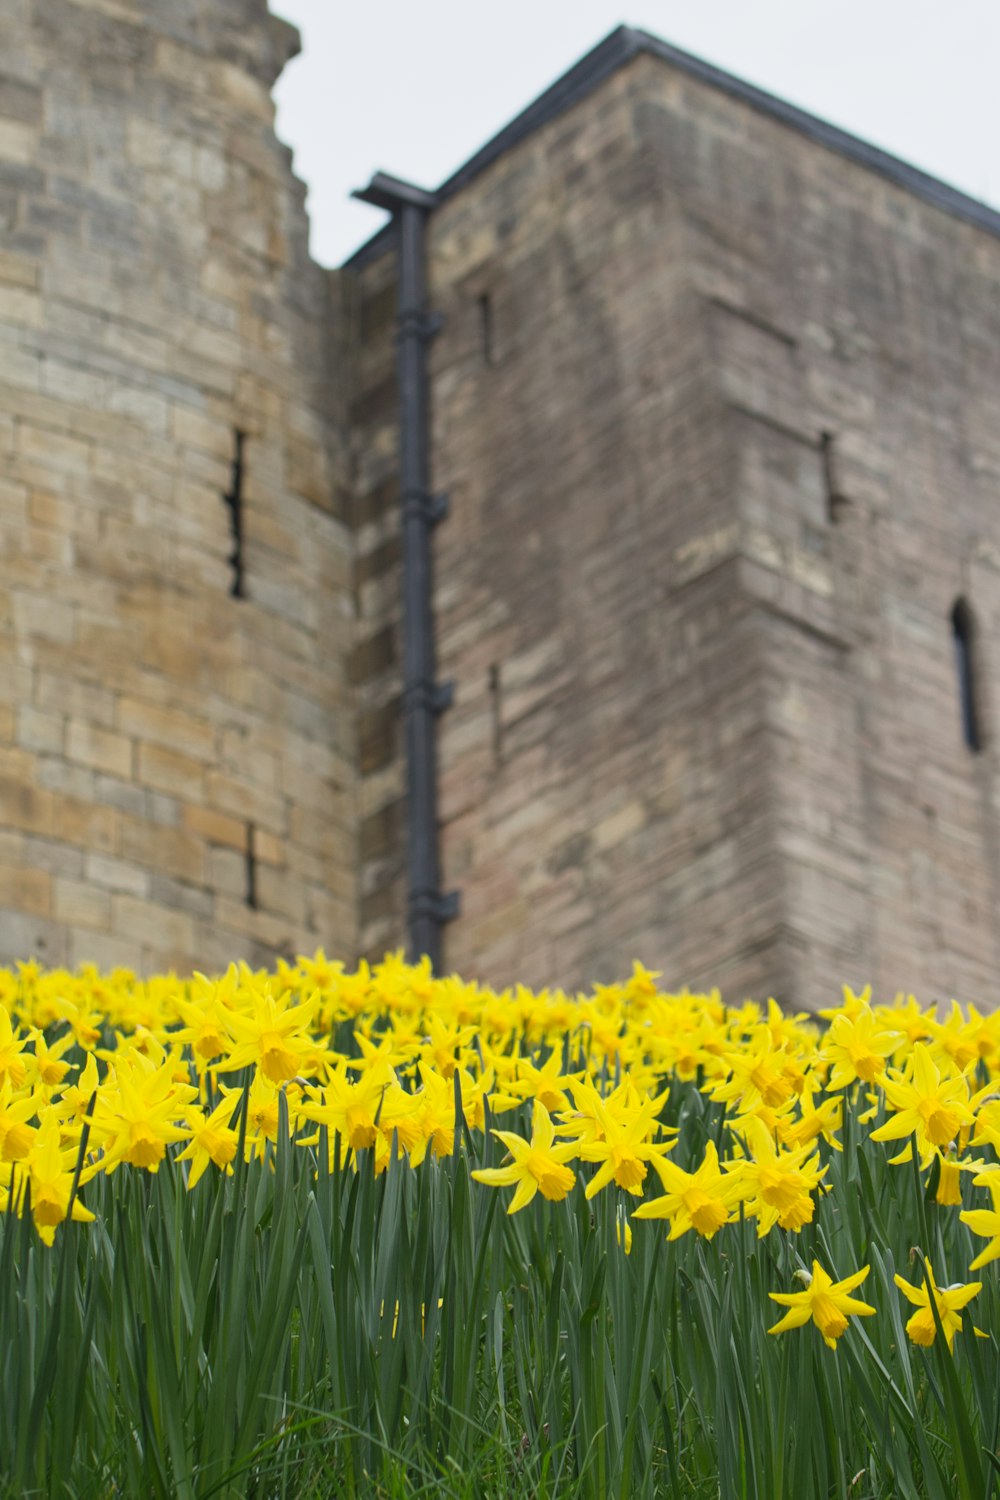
<point x="440" y="906"/>
<point x="432" y="697"/>
<point x="443" y="696"/>
<point x="420" y="506"/>
<point x="412" y="323"/>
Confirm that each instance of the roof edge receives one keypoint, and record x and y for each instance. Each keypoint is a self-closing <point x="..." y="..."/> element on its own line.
<point x="575" y="84"/>
<point x="627" y="42"/>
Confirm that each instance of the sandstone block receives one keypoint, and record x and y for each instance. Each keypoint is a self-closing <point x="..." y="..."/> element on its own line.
<point x="157" y="848"/>
<point x="38" y="730"/>
<point x="49" y="619"/>
<point x="79" y="904"/>
<point x="215" y="827"/>
<point x="165" y="726"/>
<point x="100" y="749"/>
<point x="26" y="807"/>
<point x="201" y="432"/>
<point x="80" y="822"/>
<point x="170" y="771"/>
<point x="25" y="890"/>
<point x="145" y="923"/>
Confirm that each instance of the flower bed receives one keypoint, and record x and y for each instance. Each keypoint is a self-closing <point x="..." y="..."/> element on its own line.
<point x="254" y="1240"/>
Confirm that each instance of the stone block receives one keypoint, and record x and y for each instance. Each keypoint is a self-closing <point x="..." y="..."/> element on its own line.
<point x="145" y="923"/>
<point x="193" y="429"/>
<point x="181" y="896"/>
<point x="20" y="305"/>
<point x="49" y="619"/>
<point x="257" y="804"/>
<point x="122" y="794"/>
<point x="86" y="701"/>
<point x="26" y="937"/>
<point x="100" y="749"/>
<point x="118" y="875"/>
<point x="26" y="807"/>
<point x="59" y="775"/>
<point x="51" y="855"/>
<point x="38" y="730"/>
<point x="169" y="850"/>
<point x="18" y="270"/>
<point x="215" y="827"/>
<point x="268" y="849"/>
<point x="20" y="101"/>
<point x="46" y="448"/>
<point x="227" y="872"/>
<point x="78" y="822"/>
<point x="26" y="890"/>
<point x="170" y="771"/>
<point x="79" y="904"/>
<point x="103" y="951"/>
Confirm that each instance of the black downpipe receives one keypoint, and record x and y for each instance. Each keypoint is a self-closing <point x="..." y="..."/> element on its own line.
<point x="423" y="697"/>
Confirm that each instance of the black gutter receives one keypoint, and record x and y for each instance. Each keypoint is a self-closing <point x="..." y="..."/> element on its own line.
<point x="626" y="43"/>
<point x="423" y="698"/>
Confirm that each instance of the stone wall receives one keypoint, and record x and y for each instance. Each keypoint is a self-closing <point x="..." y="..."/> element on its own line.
<point x="706" y="704"/>
<point x="848" y="307"/>
<point x="714" y="406"/>
<point x="602" y="792"/>
<point x="177" y="765"/>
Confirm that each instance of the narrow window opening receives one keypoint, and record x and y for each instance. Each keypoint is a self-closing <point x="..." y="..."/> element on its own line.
<point x="496" y="712"/>
<point x="835" y="498"/>
<point x="486" y="328"/>
<point x="234" y="500"/>
<point x="963" y="634"/>
<point x="251" y="864"/>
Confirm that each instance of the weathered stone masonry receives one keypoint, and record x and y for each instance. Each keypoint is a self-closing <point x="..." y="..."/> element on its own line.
<point x="714" y="403"/>
<point x="716" y="486"/>
<point x="167" y="751"/>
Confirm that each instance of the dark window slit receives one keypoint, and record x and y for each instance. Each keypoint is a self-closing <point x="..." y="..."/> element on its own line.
<point x="963" y="632"/>
<point x="836" y="500"/>
<point x="486" y="328"/>
<point x="251" y="862"/>
<point x="234" y="500"/>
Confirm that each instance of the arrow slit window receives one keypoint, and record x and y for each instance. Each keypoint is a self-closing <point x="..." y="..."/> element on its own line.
<point x="963" y="631"/>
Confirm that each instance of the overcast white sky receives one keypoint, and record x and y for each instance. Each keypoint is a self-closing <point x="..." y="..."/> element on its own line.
<point x="414" y="87"/>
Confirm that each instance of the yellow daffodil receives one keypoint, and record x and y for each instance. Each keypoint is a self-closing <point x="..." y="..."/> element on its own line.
<point x="702" y="1200"/>
<point x="826" y="1302"/>
<point x="16" y="1133"/>
<point x="857" y="1047"/>
<point x="778" y="1184"/>
<point x="212" y="1140"/>
<point x="49" y="1170"/>
<point x="924" y="1104"/>
<point x="921" y="1327"/>
<point x="13" y="1059"/>
<point x="985" y="1222"/>
<point x="538" y="1165"/>
<point x="759" y="1074"/>
<point x="275" y="1037"/>
<point x="347" y="1108"/>
<point x="136" y="1113"/>
<point x="624" y="1146"/>
<point x="813" y="1120"/>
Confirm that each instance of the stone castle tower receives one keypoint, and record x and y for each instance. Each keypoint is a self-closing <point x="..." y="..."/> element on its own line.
<point x="179" y="769"/>
<point x="717" y="587"/>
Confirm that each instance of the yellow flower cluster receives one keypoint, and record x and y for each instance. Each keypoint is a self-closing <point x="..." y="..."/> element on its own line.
<point x="100" y="1072"/>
